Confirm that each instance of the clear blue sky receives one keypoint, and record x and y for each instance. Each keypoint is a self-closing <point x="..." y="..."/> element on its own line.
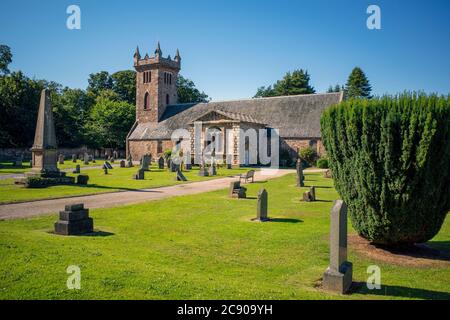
<point x="229" y="48"/>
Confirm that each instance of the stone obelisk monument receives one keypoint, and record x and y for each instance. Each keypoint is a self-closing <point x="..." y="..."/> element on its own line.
<point x="44" y="157"/>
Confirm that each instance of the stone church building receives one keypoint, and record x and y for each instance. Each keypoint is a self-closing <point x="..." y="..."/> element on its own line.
<point x="158" y="114"/>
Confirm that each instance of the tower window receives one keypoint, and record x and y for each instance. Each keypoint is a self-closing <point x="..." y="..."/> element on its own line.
<point x="146" y="101"/>
<point x="147" y="76"/>
<point x="167" y="99"/>
<point x="170" y="78"/>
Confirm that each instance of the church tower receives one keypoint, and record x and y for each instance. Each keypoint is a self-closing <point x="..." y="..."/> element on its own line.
<point x="156" y="88"/>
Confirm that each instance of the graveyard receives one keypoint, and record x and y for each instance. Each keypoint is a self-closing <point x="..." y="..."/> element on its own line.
<point x="205" y="246"/>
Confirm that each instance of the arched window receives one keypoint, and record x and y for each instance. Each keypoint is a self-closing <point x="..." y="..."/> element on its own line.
<point x="146" y="101"/>
<point x="167" y="99"/>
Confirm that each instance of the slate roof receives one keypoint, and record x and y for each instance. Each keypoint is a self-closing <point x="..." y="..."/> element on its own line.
<point x="294" y="116"/>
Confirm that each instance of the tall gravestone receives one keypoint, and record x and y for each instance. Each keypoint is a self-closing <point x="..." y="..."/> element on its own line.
<point x="61" y="158"/>
<point x="161" y="163"/>
<point x="44" y="146"/>
<point x="86" y="158"/>
<point x="338" y="276"/>
<point x="300" y="176"/>
<point x="145" y="162"/>
<point x="262" y="206"/>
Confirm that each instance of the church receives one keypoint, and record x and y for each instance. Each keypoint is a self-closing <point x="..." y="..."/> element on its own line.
<point x="158" y="115"/>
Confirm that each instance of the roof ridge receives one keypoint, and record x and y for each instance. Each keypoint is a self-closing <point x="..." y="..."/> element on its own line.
<point x="261" y="98"/>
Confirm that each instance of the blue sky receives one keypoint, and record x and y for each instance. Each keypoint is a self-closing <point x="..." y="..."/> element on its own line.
<point x="229" y="48"/>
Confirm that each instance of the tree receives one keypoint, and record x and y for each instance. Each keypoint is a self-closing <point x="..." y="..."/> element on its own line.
<point x="390" y="160"/>
<point x="293" y="83"/>
<point x="109" y="122"/>
<point x="336" y="88"/>
<point x="188" y="93"/>
<point x="358" y="85"/>
<point x="5" y="58"/>
<point x="124" y="84"/>
<point x="99" y="81"/>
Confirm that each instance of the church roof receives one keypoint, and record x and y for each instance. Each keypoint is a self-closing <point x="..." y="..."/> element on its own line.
<point x="295" y="116"/>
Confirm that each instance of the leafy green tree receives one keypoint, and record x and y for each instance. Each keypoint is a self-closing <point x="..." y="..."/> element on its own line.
<point x="188" y="93"/>
<point x="71" y="109"/>
<point x="358" y="85"/>
<point x="293" y="83"/>
<point x="19" y="101"/>
<point x="124" y="84"/>
<point x="109" y="122"/>
<point x="99" y="81"/>
<point x="390" y="160"/>
<point x="5" y="58"/>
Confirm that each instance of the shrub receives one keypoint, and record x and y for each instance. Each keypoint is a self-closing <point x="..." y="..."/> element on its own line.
<point x="82" y="179"/>
<point x="42" y="182"/>
<point x="309" y="155"/>
<point x="390" y="160"/>
<point x="322" y="163"/>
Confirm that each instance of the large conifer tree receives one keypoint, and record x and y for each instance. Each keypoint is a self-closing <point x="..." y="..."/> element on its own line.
<point x="358" y="85"/>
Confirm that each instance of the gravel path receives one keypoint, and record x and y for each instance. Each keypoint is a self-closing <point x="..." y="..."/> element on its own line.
<point x="106" y="200"/>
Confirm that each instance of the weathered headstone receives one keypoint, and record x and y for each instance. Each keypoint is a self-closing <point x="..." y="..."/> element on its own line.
<point x="338" y="276"/>
<point x="212" y="170"/>
<point x="145" y="162"/>
<point x="203" y="172"/>
<point x="86" y="158"/>
<point x="161" y="163"/>
<point x="115" y="154"/>
<point x="122" y="163"/>
<point x="74" y="220"/>
<point x="300" y="176"/>
<point x="77" y="169"/>
<point x="108" y="165"/>
<point x="310" y="196"/>
<point x="61" y="158"/>
<point x="90" y="158"/>
<point x="261" y="210"/>
<point x="327" y="174"/>
<point x="229" y="166"/>
<point x="180" y="175"/>
<point x="236" y="190"/>
<point x="82" y="179"/>
<point x="140" y="174"/>
<point x="74" y="158"/>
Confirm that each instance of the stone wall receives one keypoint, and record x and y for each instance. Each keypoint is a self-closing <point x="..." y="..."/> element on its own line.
<point x="138" y="148"/>
<point x="292" y="145"/>
<point x="7" y="154"/>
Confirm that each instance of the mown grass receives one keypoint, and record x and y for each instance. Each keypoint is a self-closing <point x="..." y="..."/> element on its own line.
<point x="201" y="247"/>
<point x="9" y="168"/>
<point x="117" y="179"/>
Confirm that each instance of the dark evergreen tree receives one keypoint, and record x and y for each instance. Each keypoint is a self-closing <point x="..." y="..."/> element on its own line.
<point x="358" y="85"/>
<point x="390" y="160"/>
<point x="293" y="83"/>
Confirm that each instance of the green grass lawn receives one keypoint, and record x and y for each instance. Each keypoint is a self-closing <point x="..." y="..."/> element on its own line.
<point x="201" y="247"/>
<point x="118" y="179"/>
<point x="8" y="168"/>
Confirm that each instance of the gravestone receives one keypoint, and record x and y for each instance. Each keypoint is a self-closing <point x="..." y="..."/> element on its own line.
<point x="300" y="176"/>
<point x="74" y="220"/>
<point x="310" y="196"/>
<point x="140" y="174"/>
<point x="122" y="163"/>
<point x="261" y="209"/>
<point x="129" y="161"/>
<point x="108" y="165"/>
<point x="61" y="158"/>
<point x="228" y="166"/>
<point x="77" y="169"/>
<point x="236" y="190"/>
<point x="203" y="172"/>
<point x="327" y="174"/>
<point x="74" y="158"/>
<point x="161" y="163"/>
<point x="86" y="158"/>
<point x="82" y="179"/>
<point x="212" y="170"/>
<point x="105" y="168"/>
<point x="18" y="161"/>
<point x="115" y="155"/>
<point x="180" y="175"/>
<point x="188" y="166"/>
<point x="169" y="164"/>
<point x="338" y="276"/>
<point x="90" y="158"/>
<point x="145" y="162"/>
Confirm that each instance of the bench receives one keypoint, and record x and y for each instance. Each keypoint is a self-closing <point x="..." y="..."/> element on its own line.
<point x="247" y="176"/>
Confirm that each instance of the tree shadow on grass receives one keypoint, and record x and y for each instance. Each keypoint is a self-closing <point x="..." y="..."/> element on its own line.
<point x="285" y="220"/>
<point x="399" y="291"/>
